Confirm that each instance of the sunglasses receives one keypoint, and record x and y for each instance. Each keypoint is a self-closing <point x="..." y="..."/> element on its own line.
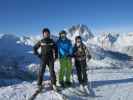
<point x="63" y="34"/>
<point x="78" y="41"/>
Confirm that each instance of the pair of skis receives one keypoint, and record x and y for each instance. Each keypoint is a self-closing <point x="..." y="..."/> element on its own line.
<point x="90" y="86"/>
<point x="64" y="97"/>
<point x="57" y="92"/>
<point x="60" y="93"/>
<point x="35" y="94"/>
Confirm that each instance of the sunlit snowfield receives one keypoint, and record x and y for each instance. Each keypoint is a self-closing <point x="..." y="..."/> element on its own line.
<point x="106" y="83"/>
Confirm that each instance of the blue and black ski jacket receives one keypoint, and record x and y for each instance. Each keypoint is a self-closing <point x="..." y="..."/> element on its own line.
<point x="65" y="48"/>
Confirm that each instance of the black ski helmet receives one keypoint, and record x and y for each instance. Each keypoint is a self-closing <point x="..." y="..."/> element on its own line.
<point x="46" y="30"/>
<point x="78" y="37"/>
<point x="62" y="32"/>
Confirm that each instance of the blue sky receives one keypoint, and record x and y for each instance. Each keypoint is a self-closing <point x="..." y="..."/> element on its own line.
<point x="30" y="16"/>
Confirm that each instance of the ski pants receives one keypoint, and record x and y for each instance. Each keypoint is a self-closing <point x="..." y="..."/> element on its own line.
<point x="50" y="63"/>
<point x="81" y="68"/>
<point x="65" y="69"/>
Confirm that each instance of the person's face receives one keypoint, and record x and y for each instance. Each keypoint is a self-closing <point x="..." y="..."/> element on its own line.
<point x="46" y="34"/>
<point x="78" y="42"/>
<point x="63" y="36"/>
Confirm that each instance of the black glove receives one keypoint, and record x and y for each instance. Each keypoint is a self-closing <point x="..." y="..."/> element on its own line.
<point x="39" y="55"/>
<point x="70" y="56"/>
<point x="89" y="56"/>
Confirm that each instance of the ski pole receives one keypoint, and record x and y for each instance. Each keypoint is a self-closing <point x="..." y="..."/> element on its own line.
<point x="74" y="84"/>
<point x="73" y="72"/>
<point x="91" y="72"/>
<point x="92" y="93"/>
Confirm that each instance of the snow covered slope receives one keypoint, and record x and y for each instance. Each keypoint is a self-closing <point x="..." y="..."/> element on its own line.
<point x="13" y="59"/>
<point x="105" y="84"/>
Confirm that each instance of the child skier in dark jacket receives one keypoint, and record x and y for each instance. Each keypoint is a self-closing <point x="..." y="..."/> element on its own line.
<point x="80" y="53"/>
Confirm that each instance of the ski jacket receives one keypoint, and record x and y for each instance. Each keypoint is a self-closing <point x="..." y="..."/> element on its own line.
<point x="64" y="48"/>
<point x="81" y="52"/>
<point x="48" y="49"/>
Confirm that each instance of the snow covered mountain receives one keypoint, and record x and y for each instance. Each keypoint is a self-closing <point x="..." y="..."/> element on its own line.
<point x="81" y="30"/>
<point x="107" y="40"/>
<point x="114" y="41"/>
<point x="125" y="43"/>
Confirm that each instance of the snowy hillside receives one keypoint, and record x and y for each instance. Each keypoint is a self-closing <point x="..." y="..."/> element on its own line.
<point x="105" y="84"/>
<point x="17" y="62"/>
<point x="14" y="57"/>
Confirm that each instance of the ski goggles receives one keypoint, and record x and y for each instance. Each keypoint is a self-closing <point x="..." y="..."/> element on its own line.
<point x="78" y="41"/>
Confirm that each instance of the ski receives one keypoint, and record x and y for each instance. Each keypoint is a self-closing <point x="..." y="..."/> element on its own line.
<point x="84" y="93"/>
<point x="63" y="96"/>
<point x="35" y="94"/>
<point x="79" y="93"/>
<point x="38" y="91"/>
<point x="58" y="91"/>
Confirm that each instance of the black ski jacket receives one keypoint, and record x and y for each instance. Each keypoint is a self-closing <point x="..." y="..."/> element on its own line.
<point x="48" y="49"/>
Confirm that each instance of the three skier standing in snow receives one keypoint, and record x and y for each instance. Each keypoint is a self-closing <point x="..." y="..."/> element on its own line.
<point x="63" y="50"/>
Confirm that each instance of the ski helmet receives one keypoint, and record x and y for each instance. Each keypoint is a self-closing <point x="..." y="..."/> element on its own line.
<point x="46" y="30"/>
<point x="62" y="32"/>
<point x="78" y="37"/>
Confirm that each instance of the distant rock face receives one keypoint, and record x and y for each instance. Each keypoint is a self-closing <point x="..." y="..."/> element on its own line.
<point x="115" y="42"/>
<point x="81" y="30"/>
<point x="105" y="40"/>
<point x="125" y="43"/>
<point x="108" y="39"/>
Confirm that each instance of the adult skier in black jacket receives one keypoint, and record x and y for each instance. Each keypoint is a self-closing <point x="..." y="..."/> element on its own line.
<point x="48" y="55"/>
